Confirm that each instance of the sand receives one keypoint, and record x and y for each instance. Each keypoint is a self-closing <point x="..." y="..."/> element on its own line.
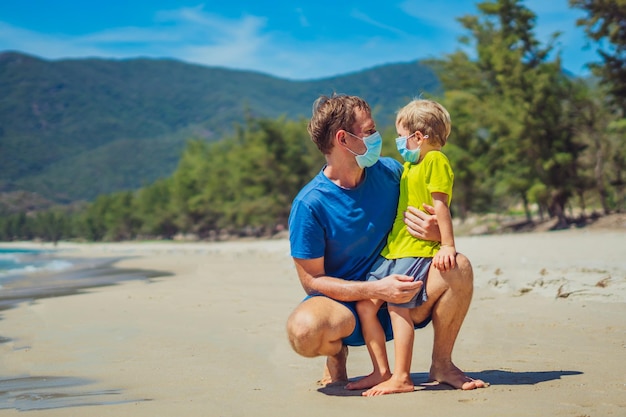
<point x="547" y="329"/>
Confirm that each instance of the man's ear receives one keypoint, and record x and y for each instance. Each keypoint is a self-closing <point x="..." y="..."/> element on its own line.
<point x="340" y="136"/>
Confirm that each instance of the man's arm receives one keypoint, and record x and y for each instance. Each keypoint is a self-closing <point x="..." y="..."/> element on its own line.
<point x="422" y="225"/>
<point x="394" y="288"/>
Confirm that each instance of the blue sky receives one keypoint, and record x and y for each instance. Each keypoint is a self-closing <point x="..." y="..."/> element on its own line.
<point x="289" y="39"/>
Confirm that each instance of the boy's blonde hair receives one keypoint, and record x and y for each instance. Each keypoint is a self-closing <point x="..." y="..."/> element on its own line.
<point x="427" y="116"/>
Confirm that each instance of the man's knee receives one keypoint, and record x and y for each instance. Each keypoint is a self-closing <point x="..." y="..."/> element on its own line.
<point x="302" y="334"/>
<point x="465" y="267"/>
<point x="464" y="278"/>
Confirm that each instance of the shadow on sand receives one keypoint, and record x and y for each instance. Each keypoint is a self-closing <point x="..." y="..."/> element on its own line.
<point x="493" y="377"/>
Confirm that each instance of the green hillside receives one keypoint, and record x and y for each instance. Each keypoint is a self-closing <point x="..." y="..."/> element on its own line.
<point x="73" y="129"/>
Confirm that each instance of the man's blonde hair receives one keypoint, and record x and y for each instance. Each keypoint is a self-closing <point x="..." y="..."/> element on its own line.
<point x="427" y="116"/>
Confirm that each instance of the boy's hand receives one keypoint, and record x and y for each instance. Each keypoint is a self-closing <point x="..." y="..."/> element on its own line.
<point x="445" y="259"/>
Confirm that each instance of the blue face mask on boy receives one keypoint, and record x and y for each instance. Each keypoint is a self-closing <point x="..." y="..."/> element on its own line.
<point x="409" y="155"/>
<point x="373" y="144"/>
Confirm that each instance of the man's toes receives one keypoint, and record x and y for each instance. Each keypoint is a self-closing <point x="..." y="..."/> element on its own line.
<point x="469" y="385"/>
<point x="473" y="384"/>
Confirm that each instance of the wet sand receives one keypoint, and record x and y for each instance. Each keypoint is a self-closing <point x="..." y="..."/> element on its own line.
<point x="84" y="273"/>
<point x="546" y="328"/>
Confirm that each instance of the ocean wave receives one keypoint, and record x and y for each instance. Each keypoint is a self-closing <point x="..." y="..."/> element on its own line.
<point x="51" y="266"/>
<point x="25" y="262"/>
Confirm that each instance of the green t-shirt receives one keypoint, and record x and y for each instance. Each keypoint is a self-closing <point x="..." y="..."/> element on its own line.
<point x="418" y="182"/>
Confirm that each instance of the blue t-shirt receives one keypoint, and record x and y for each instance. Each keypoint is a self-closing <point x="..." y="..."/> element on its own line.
<point x="348" y="227"/>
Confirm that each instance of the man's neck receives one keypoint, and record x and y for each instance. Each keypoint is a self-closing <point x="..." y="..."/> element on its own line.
<point x="344" y="175"/>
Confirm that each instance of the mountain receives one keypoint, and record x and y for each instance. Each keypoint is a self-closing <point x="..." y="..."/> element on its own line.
<point x="73" y="129"/>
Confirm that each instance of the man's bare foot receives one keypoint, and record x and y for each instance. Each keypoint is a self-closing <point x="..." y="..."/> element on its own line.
<point x="453" y="376"/>
<point x="391" y="386"/>
<point x="335" y="369"/>
<point x="369" y="381"/>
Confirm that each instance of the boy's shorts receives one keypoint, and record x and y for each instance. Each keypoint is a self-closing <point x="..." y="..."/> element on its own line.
<point x="415" y="267"/>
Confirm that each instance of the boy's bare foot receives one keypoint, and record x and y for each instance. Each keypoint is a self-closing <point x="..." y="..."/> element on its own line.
<point x="391" y="386"/>
<point x="335" y="369"/>
<point x="369" y="381"/>
<point x="453" y="376"/>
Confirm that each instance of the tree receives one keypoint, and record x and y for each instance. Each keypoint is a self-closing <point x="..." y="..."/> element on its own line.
<point x="243" y="184"/>
<point x="110" y="217"/>
<point x="606" y="21"/>
<point x="196" y="166"/>
<point x="53" y="225"/>
<point x="617" y="143"/>
<point x="278" y="162"/>
<point x="517" y="109"/>
<point x="153" y="207"/>
<point x="591" y="117"/>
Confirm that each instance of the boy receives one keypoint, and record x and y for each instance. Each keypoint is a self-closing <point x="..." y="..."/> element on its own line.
<point x="423" y="128"/>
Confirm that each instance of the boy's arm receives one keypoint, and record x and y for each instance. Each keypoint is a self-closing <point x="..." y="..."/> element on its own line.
<point x="445" y="259"/>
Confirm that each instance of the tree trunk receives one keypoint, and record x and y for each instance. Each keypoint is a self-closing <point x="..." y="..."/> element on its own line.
<point x="529" y="216"/>
<point x="599" y="176"/>
<point x="557" y="208"/>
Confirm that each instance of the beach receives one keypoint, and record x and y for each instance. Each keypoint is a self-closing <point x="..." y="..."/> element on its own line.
<point x="546" y="329"/>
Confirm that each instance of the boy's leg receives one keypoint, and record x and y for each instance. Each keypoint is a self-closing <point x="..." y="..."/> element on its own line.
<point x="404" y="333"/>
<point x="375" y="340"/>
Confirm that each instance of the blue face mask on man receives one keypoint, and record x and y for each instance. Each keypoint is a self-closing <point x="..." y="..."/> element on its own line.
<point x="373" y="144"/>
<point x="409" y="155"/>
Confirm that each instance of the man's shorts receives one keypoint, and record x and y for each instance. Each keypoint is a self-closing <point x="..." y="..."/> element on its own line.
<point x="356" y="338"/>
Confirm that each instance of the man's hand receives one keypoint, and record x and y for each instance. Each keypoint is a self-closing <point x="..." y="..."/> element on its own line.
<point x="397" y="288"/>
<point x="422" y="225"/>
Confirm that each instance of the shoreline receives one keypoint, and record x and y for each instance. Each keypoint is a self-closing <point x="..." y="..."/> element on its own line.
<point x="209" y="339"/>
<point x="74" y="277"/>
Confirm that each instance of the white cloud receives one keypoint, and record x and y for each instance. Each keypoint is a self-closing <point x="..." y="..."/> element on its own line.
<point x="128" y="35"/>
<point x="304" y="22"/>
<point x="211" y="27"/>
<point x="188" y="34"/>
<point x="357" y="14"/>
<point x="441" y="15"/>
<point x="43" y="45"/>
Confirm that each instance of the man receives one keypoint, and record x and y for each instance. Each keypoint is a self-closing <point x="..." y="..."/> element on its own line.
<point x="338" y="226"/>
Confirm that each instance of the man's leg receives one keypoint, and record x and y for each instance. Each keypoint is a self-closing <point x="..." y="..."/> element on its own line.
<point x="449" y="297"/>
<point x="316" y="328"/>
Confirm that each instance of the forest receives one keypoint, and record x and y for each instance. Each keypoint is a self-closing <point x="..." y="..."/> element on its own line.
<point x="526" y="137"/>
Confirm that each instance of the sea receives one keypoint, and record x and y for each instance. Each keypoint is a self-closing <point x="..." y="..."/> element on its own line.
<point x="30" y="274"/>
<point x="17" y="262"/>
